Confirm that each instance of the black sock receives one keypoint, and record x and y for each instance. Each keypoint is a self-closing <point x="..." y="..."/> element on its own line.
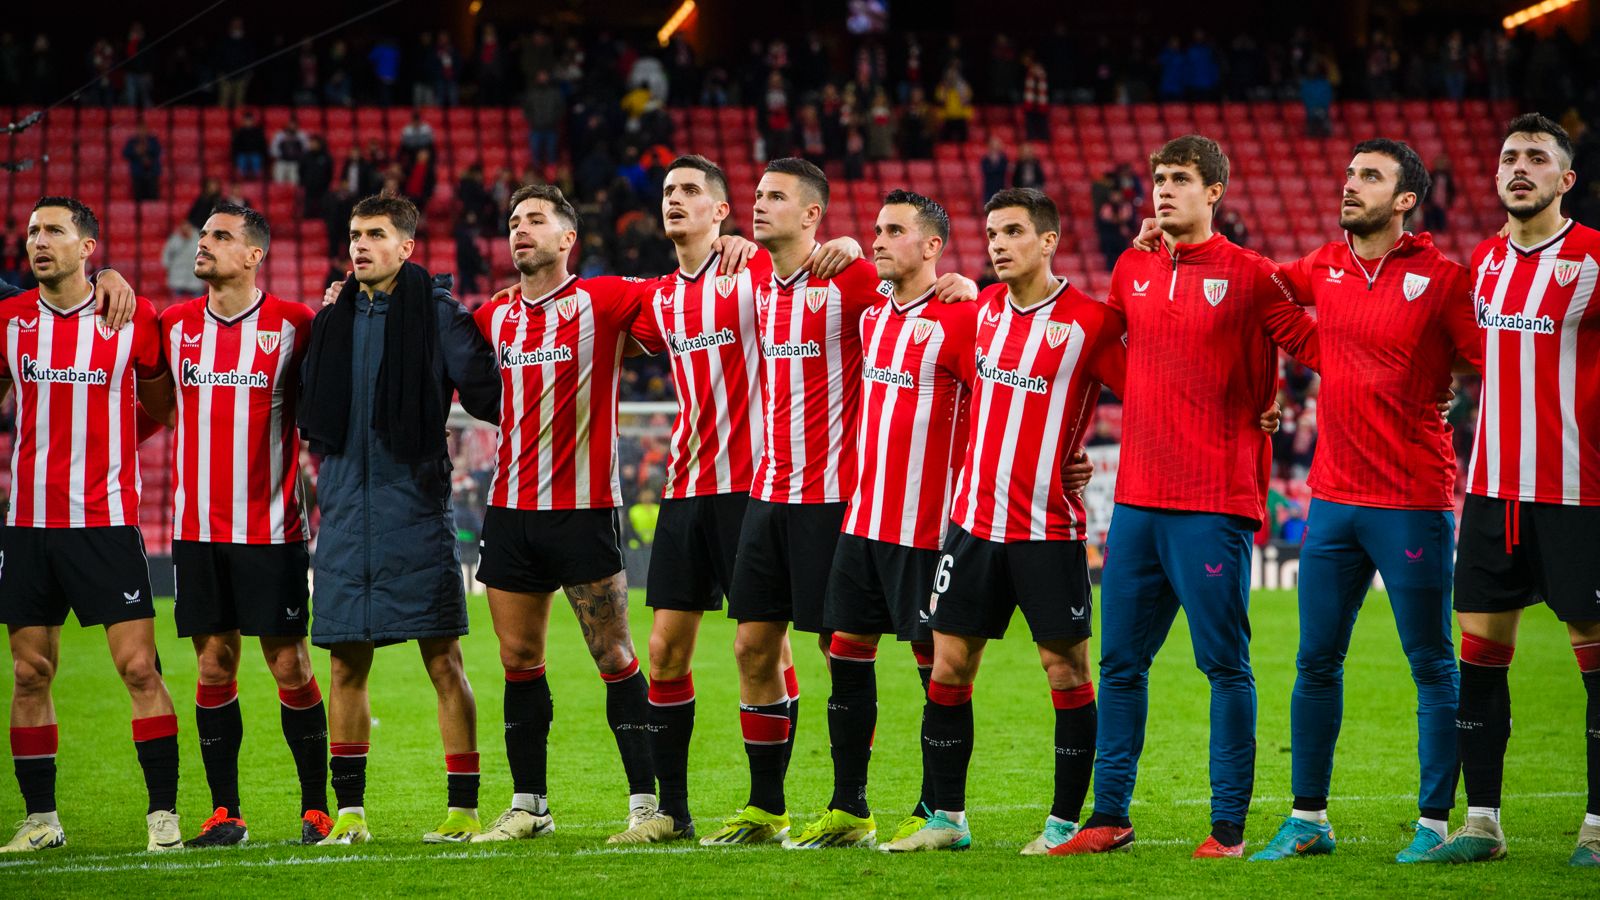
<point x="33" y="754"/>
<point x="528" y="711"/>
<point x="852" y="718"/>
<point x="766" y="733"/>
<point x="925" y="673"/>
<point x="348" y="768"/>
<point x="461" y="780"/>
<point x="1483" y="725"/>
<point x="1318" y="804"/>
<point x="628" y="712"/>
<point x="305" y="730"/>
<point x="1075" y="731"/>
<point x="791" y="685"/>
<point x="155" y="740"/>
<point x="1591" y="725"/>
<point x="671" y="727"/>
<point x="1228" y="834"/>
<point x="947" y="735"/>
<point x="221" y="728"/>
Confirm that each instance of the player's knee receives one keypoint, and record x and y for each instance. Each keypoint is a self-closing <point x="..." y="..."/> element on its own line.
<point x="32" y="674"/>
<point x="217" y="668"/>
<point x="754" y="655"/>
<point x="290" y="669"/>
<point x="1226" y="672"/>
<point x="139" y="672"/>
<point x="1065" y="674"/>
<point x="1319" y="668"/>
<point x="612" y="659"/>
<point x="516" y="655"/>
<point x="667" y="660"/>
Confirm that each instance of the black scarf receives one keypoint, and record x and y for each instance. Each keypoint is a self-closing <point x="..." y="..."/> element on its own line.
<point x="407" y="401"/>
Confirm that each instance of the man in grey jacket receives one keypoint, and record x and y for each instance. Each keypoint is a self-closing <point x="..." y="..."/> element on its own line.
<point x="383" y="363"/>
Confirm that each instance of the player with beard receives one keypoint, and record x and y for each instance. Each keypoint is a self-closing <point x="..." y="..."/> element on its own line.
<point x="552" y="520"/>
<point x="71" y="535"/>
<point x="239" y="547"/>
<point x="1533" y="487"/>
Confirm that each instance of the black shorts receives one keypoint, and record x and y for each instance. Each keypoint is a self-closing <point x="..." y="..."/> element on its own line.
<point x="257" y="589"/>
<point x="99" y="573"/>
<point x="785" y="554"/>
<point x="979" y="584"/>
<point x="880" y="588"/>
<point x="691" y="559"/>
<point x="1513" y="554"/>
<point x="537" y="551"/>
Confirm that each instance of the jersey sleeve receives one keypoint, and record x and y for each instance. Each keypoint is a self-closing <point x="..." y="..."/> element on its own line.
<point x="1119" y="280"/>
<point x="469" y="362"/>
<point x="483" y="318"/>
<point x="858" y="287"/>
<point x="300" y="316"/>
<point x="959" y="352"/>
<point x="1298" y="275"/>
<point x="1284" y="319"/>
<point x="1460" y="318"/>
<point x="644" y="327"/>
<point x="1108" y="360"/>
<point x="146" y="356"/>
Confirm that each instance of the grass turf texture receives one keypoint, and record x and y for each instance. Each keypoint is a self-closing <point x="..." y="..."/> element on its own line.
<point x="102" y="796"/>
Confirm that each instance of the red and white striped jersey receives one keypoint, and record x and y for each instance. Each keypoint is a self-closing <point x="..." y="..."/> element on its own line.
<point x="236" y="455"/>
<point x="917" y="362"/>
<point x="706" y="323"/>
<point x="1038" y="376"/>
<point x="559" y="356"/>
<point x="811" y="383"/>
<point x="75" y="463"/>
<point x="1539" y="419"/>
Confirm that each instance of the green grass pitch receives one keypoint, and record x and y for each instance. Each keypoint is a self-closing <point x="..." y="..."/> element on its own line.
<point x="102" y="795"/>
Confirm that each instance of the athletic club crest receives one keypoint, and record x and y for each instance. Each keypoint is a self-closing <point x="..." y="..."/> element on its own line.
<point x="1414" y="286"/>
<point x="106" y="331"/>
<point x="1566" y="270"/>
<point x="1215" y="289"/>
<point x="268" y="342"/>
<point x="921" y="330"/>
<point x="816" y="298"/>
<point x="567" y="307"/>
<point x="724" y="285"/>
<point x="1056" y="333"/>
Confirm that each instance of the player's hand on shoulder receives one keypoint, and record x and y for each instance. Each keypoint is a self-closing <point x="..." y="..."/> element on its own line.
<point x="834" y="257"/>
<point x="331" y="295"/>
<point x="114" y="298"/>
<point x="953" y="287"/>
<point x="502" y="294"/>
<point x="736" y="253"/>
<point x="1149" y="236"/>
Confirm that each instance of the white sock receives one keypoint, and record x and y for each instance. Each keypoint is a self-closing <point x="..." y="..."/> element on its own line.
<point x="50" y="818"/>
<point x="1058" y="820"/>
<point x="469" y="810"/>
<point x="1592" y="820"/>
<point x="1492" y="813"/>
<point x="353" y="811"/>
<point x="1318" y="816"/>
<point x="635" y="801"/>
<point x="957" y="817"/>
<point x="533" y="803"/>
<point x="1439" y="826"/>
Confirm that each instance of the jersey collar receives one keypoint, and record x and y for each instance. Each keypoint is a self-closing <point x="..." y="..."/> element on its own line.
<point x="706" y="266"/>
<point x="908" y="306"/>
<point x="556" y="292"/>
<point x="229" y="321"/>
<point x="1042" y="304"/>
<point x="802" y="272"/>
<point x="71" y="313"/>
<point x="1542" y="245"/>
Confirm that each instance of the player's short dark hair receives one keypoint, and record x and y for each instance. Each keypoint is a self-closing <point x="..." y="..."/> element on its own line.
<point x="83" y="217"/>
<point x="1041" y="209"/>
<point x="400" y="212"/>
<point x="550" y="194"/>
<point x="716" y="179"/>
<point x="930" y="215"/>
<point x="1414" y="176"/>
<point x="1537" y="123"/>
<point x="1194" y="150"/>
<point x="810" y="176"/>
<point x="256" y="231"/>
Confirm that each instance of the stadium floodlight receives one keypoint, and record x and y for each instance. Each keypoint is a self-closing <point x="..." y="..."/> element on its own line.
<point x="1536" y="11"/>
<point x="676" y="21"/>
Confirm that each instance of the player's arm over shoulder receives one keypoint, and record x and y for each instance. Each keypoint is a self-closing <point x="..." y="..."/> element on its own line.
<point x="1108" y="351"/>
